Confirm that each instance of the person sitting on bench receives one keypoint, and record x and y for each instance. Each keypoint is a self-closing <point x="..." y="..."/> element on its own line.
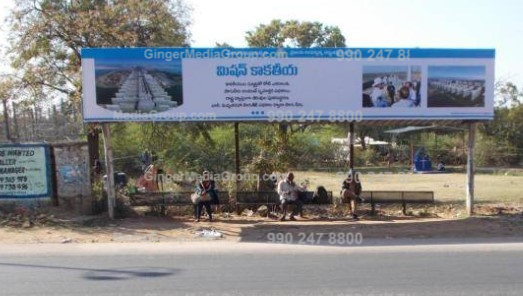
<point x="288" y="191"/>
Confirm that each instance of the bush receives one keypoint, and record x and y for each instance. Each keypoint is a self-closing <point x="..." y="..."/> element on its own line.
<point x="369" y="157"/>
<point x="490" y="153"/>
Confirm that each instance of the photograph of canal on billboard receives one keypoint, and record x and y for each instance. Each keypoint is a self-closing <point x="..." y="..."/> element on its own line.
<point x="138" y="86"/>
<point x="456" y="86"/>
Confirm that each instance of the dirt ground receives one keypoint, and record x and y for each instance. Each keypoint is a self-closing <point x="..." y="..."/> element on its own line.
<point x="444" y="221"/>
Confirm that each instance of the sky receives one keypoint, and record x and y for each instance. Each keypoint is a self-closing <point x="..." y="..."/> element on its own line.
<point x="372" y="23"/>
<point x="379" y="23"/>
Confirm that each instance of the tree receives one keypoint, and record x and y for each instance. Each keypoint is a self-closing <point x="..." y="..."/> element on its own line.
<point x="9" y="90"/>
<point x="223" y="45"/>
<point x="507" y="94"/>
<point x="506" y="130"/>
<point x="46" y="38"/>
<point x="292" y="33"/>
<point x="295" y="34"/>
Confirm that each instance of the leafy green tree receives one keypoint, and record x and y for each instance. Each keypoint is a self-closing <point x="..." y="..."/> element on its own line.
<point x="294" y="33"/>
<point x="8" y="91"/>
<point x="46" y="38"/>
<point x="505" y="132"/>
<point x="291" y="33"/>
<point x="507" y="94"/>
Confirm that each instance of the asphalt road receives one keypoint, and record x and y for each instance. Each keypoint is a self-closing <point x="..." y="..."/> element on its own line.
<point x="231" y="268"/>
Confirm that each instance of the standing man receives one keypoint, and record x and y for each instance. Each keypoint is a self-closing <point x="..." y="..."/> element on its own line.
<point x="350" y="191"/>
<point x="205" y="189"/>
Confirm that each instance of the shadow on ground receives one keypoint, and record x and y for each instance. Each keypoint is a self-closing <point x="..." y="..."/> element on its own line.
<point x="392" y="231"/>
<point x="104" y="274"/>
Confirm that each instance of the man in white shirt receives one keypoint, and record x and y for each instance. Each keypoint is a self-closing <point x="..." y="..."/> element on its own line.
<point x="412" y="91"/>
<point x="288" y="191"/>
<point x="378" y="93"/>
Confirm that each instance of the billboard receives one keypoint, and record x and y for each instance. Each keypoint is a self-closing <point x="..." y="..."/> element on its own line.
<point x="318" y="84"/>
<point x="25" y="171"/>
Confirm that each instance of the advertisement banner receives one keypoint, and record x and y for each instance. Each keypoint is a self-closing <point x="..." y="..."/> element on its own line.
<point x="320" y="84"/>
<point x="25" y="171"/>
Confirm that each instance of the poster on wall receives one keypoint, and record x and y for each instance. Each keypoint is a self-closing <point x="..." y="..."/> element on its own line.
<point x="320" y="84"/>
<point x="25" y="171"/>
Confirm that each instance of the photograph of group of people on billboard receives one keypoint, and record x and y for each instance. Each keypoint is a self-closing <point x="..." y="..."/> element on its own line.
<point x="402" y="86"/>
<point x="391" y="86"/>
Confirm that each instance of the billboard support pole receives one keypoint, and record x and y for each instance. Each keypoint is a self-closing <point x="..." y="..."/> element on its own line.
<point x="470" y="168"/>
<point x="111" y="200"/>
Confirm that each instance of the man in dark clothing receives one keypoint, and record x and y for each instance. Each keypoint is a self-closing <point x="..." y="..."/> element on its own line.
<point x="208" y="196"/>
<point x="350" y="191"/>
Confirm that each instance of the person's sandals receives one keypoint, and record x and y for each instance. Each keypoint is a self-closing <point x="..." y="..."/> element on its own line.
<point x="282" y="218"/>
<point x="292" y="218"/>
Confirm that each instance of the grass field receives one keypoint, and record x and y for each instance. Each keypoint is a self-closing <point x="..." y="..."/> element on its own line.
<point x="448" y="187"/>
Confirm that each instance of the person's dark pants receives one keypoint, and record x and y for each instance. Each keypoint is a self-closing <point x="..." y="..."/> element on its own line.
<point x="214" y="197"/>
<point x="297" y="207"/>
<point x="302" y="198"/>
<point x="199" y="207"/>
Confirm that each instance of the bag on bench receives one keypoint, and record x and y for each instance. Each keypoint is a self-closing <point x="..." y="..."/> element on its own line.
<point x="320" y="193"/>
<point x="196" y="198"/>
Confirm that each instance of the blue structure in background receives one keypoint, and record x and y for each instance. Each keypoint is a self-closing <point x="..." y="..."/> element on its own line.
<point x="422" y="162"/>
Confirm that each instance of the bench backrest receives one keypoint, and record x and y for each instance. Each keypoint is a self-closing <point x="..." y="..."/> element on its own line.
<point x="398" y="196"/>
<point x="147" y="198"/>
<point x="257" y="197"/>
<point x="272" y="197"/>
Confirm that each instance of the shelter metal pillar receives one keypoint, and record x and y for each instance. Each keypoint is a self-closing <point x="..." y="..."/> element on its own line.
<point x="351" y="145"/>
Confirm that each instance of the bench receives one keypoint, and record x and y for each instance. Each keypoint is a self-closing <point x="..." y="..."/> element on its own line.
<point x="164" y="199"/>
<point x="395" y="197"/>
<point x="271" y="199"/>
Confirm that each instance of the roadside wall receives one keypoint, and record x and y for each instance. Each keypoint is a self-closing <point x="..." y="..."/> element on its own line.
<point x="72" y="176"/>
